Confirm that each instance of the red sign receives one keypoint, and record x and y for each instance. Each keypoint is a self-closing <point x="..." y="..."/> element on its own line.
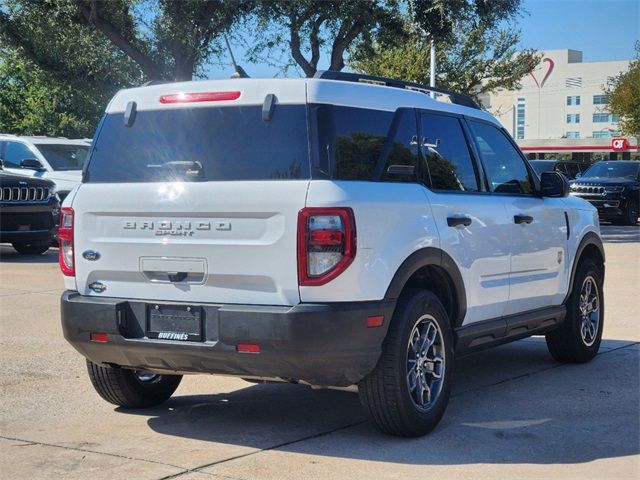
<point x="619" y="144"/>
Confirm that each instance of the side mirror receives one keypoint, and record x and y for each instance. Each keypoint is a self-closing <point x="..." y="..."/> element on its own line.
<point x="32" y="164"/>
<point x="1" y="164"/>
<point x="578" y="175"/>
<point x="553" y="184"/>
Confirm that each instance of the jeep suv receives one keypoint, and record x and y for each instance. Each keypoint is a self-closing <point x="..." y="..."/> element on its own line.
<point x="53" y="158"/>
<point x="335" y="231"/>
<point x="613" y="187"/>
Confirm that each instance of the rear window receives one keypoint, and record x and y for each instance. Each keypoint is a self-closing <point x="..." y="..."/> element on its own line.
<point x="223" y="143"/>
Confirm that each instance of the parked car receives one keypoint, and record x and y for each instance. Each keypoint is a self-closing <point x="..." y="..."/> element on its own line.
<point x="57" y="159"/>
<point x="335" y="231"/>
<point x="613" y="187"/>
<point x="568" y="169"/>
<point x="29" y="208"/>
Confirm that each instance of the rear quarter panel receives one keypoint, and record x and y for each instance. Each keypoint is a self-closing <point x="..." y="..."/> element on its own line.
<point x="392" y="221"/>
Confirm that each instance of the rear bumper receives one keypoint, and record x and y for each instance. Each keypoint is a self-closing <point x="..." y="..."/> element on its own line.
<point x="322" y="344"/>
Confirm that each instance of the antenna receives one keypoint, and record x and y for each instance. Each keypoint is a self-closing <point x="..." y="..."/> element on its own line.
<point x="238" y="71"/>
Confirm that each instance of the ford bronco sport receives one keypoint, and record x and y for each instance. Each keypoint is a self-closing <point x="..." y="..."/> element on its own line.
<point x="335" y="231"/>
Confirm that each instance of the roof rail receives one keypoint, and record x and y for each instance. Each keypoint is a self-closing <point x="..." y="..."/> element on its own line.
<point x="455" y="97"/>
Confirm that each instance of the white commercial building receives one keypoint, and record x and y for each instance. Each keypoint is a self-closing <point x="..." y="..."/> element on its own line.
<point x="561" y="107"/>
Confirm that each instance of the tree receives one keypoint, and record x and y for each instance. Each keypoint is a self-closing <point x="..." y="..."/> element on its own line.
<point x="33" y="102"/>
<point x="475" y="58"/>
<point x="165" y="39"/>
<point x="624" y="97"/>
<point x="303" y="29"/>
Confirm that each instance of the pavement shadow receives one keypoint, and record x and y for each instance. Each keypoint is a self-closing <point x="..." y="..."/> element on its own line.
<point x="512" y="404"/>
<point x="9" y="255"/>
<point x="620" y="234"/>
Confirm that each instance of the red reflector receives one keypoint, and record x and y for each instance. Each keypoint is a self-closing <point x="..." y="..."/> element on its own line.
<point x="375" y="321"/>
<point x="248" y="348"/>
<point x="99" y="337"/>
<point x="325" y="237"/>
<point x="199" y="97"/>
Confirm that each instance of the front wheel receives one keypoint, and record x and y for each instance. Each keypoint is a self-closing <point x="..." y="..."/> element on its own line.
<point x="408" y="391"/>
<point x="132" y="388"/>
<point x="577" y="339"/>
<point x="35" y="248"/>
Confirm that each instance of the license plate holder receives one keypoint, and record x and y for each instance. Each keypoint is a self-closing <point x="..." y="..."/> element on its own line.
<point x="174" y="322"/>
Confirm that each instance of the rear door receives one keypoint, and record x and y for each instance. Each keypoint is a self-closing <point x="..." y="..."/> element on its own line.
<point x="473" y="224"/>
<point x="194" y="204"/>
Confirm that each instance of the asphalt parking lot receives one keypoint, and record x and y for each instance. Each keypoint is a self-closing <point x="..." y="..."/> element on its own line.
<point x="515" y="412"/>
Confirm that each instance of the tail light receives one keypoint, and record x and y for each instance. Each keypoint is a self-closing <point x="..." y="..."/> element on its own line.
<point x="326" y="244"/>
<point x="65" y="241"/>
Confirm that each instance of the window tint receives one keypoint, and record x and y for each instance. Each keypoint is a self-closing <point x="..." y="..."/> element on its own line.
<point x="360" y="135"/>
<point x="504" y="166"/>
<point x="447" y="153"/>
<point x="403" y="150"/>
<point x="230" y="143"/>
<point x="15" y="152"/>
<point x="64" y="157"/>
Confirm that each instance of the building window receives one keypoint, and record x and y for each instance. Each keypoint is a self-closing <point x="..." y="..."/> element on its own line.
<point x="573" y="118"/>
<point x="605" y="118"/>
<point x="606" y="133"/>
<point x="573" y="100"/>
<point x="600" y="100"/>
<point x="520" y="119"/>
<point x="572" y="134"/>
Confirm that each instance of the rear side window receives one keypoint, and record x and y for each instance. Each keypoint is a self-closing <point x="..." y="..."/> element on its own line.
<point x="447" y="153"/>
<point x="228" y="143"/>
<point x="360" y="136"/>
<point x="504" y="166"/>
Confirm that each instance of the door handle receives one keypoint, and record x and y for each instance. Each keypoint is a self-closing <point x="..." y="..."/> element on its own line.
<point x="522" y="219"/>
<point x="455" y="221"/>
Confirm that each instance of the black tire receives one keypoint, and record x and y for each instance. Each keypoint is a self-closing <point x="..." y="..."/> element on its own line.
<point x="569" y="343"/>
<point x="35" y="248"/>
<point x="385" y="392"/>
<point x="125" y="388"/>
<point x="630" y="215"/>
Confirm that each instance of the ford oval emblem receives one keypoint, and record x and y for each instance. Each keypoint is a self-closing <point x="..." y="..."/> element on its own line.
<point x="91" y="255"/>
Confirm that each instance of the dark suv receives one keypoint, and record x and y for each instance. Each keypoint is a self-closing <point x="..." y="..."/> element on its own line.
<point x="29" y="208"/>
<point x="569" y="169"/>
<point x="613" y="187"/>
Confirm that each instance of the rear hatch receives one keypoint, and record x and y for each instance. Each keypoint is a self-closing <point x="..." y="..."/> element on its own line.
<point x="195" y="202"/>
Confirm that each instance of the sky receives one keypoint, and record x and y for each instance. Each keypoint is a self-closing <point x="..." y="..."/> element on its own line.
<point x="601" y="29"/>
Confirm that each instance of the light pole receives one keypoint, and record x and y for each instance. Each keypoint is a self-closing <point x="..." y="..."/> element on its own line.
<point x="432" y="79"/>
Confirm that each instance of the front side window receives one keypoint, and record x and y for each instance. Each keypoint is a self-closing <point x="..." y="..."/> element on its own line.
<point x="504" y="166"/>
<point x="447" y="154"/>
<point x="15" y="152"/>
<point x="202" y="144"/>
<point x="64" y="157"/>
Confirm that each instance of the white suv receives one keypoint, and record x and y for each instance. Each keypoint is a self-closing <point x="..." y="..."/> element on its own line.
<point x="335" y="231"/>
<point x="53" y="158"/>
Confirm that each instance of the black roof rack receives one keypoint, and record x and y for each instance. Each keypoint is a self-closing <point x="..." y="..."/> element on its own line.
<point x="457" y="98"/>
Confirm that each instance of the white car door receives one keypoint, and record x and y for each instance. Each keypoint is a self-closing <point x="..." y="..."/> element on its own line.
<point x="474" y="226"/>
<point x="537" y="226"/>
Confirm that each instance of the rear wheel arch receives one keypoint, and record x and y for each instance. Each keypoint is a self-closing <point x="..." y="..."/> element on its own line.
<point x="434" y="270"/>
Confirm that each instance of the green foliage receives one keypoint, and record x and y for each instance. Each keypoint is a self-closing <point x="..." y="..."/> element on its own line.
<point x="34" y="102"/>
<point x="624" y="97"/>
<point x="476" y="58"/>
